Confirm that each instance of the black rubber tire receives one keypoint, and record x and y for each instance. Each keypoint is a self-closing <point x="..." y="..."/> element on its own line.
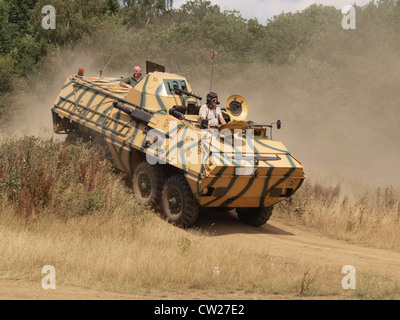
<point x="255" y="216"/>
<point x="178" y="204"/>
<point x="147" y="184"/>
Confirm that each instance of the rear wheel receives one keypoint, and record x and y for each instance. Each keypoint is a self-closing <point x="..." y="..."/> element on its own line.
<point x="254" y="216"/>
<point x="178" y="204"/>
<point x="148" y="181"/>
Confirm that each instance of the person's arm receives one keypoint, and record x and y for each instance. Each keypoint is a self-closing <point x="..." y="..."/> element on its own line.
<point x="220" y="117"/>
<point x="124" y="83"/>
<point x="203" y="115"/>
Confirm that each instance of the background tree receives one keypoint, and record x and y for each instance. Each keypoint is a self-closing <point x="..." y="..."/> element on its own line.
<point x="143" y="12"/>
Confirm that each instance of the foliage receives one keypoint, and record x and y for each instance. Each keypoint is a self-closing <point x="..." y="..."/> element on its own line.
<point x="42" y="177"/>
<point x="143" y="12"/>
<point x="370" y="217"/>
<point x="136" y="30"/>
<point x="6" y="69"/>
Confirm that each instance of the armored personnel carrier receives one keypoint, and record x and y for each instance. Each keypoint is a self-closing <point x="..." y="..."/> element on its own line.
<point x="178" y="166"/>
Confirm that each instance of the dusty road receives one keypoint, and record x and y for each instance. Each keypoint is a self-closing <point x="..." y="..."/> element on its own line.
<point x="280" y="239"/>
<point x="291" y="241"/>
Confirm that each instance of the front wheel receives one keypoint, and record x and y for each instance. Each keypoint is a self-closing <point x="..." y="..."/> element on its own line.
<point x="254" y="216"/>
<point x="148" y="182"/>
<point x="177" y="201"/>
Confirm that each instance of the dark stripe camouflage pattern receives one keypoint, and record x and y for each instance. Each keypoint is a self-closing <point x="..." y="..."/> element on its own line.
<point x="251" y="172"/>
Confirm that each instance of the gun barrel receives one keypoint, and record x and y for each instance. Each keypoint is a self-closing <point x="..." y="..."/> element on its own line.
<point x="176" y="89"/>
<point x="136" y="114"/>
<point x="123" y="108"/>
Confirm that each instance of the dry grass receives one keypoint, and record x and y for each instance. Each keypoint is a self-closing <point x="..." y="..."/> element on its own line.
<point x="63" y="206"/>
<point x="368" y="216"/>
<point x="147" y="256"/>
<point x="42" y="177"/>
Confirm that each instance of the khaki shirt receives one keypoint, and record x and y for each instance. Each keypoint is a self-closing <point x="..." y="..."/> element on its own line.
<point x="131" y="80"/>
<point x="211" y="114"/>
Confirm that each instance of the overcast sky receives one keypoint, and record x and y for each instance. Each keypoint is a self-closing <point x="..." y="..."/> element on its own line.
<point x="264" y="9"/>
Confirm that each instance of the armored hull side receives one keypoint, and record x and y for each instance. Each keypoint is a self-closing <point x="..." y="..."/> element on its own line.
<point x="153" y="134"/>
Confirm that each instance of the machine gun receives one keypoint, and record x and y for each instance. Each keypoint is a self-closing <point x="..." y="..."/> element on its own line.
<point x="180" y="91"/>
<point x="136" y="114"/>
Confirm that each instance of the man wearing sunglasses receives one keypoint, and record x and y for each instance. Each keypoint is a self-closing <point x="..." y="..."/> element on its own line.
<point x="211" y="112"/>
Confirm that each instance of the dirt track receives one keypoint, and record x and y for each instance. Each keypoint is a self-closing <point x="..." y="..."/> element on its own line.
<point x="280" y="239"/>
<point x="291" y="241"/>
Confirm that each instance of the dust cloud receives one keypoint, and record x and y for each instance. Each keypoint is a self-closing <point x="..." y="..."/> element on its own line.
<point x="349" y="130"/>
<point x="36" y="95"/>
<point x="341" y="119"/>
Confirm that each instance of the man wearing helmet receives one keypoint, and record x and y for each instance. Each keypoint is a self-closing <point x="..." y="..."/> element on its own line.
<point x="211" y="112"/>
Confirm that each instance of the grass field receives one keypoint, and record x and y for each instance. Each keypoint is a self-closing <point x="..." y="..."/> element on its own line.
<point x="355" y="213"/>
<point x="63" y="205"/>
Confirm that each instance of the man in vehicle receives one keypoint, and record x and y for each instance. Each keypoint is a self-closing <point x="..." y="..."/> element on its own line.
<point x="133" y="80"/>
<point x="211" y="112"/>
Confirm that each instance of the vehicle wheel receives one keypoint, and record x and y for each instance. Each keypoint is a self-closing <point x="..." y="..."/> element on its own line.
<point x="147" y="183"/>
<point x="178" y="204"/>
<point x="254" y="216"/>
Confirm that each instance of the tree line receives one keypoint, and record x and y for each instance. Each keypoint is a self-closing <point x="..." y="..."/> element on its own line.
<point x="184" y="37"/>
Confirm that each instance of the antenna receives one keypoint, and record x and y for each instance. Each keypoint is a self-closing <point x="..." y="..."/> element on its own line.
<point x="214" y="53"/>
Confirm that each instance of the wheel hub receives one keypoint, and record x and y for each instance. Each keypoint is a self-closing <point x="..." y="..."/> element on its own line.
<point x="175" y="202"/>
<point x="144" y="184"/>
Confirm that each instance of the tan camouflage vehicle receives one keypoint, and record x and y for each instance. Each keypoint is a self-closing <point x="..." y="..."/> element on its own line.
<point x="153" y="134"/>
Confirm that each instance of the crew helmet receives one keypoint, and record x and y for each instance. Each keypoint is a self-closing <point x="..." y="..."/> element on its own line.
<point x="212" y="95"/>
